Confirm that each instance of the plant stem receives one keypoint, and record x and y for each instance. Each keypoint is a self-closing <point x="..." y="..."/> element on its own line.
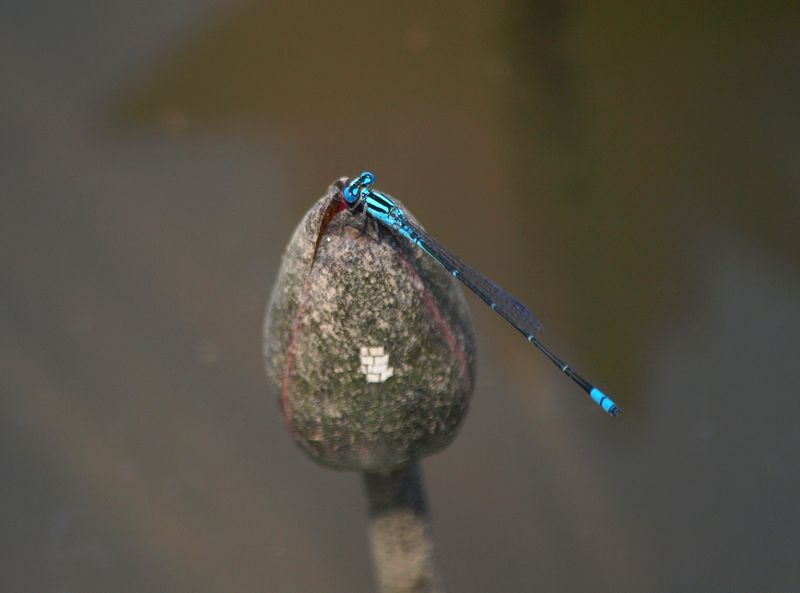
<point x="400" y="532"/>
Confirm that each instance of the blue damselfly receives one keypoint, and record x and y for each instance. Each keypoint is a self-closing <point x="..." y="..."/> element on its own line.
<point x="358" y="196"/>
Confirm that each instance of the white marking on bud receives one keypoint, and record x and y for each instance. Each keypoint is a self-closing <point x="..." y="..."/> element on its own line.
<point x="375" y="364"/>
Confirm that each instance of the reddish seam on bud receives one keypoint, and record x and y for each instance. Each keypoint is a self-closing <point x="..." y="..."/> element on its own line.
<point x="290" y="352"/>
<point x="335" y="206"/>
<point x="449" y="336"/>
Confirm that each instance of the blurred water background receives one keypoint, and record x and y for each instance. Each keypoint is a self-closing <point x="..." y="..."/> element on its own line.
<point x="631" y="171"/>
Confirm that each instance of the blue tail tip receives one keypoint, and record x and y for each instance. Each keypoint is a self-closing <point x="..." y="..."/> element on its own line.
<point x="605" y="402"/>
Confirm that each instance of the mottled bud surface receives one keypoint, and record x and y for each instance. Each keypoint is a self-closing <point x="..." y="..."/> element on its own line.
<point x="368" y="342"/>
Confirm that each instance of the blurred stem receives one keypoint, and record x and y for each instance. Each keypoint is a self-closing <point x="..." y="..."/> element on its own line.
<point x="402" y="544"/>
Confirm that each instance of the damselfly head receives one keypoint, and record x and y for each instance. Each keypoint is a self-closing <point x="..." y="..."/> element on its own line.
<point x="365" y="179"/>
<point x="352" y="190"/>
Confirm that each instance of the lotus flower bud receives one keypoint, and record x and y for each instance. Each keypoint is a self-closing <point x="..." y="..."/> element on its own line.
<point x="368" y="342"/>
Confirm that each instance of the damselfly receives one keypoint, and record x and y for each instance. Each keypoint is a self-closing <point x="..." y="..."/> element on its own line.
<point x="358" y="196"/>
